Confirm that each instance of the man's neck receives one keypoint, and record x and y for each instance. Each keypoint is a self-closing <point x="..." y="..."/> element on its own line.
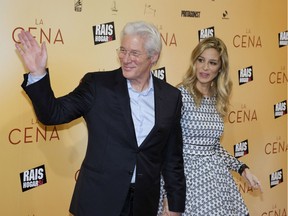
<point x="140" y="85"/>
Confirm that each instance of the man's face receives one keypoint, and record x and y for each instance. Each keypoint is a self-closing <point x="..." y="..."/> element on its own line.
<point x="134" y="60"/>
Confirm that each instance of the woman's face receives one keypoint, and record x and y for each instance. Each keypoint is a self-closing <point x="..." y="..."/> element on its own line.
<point x="207" y="66"/>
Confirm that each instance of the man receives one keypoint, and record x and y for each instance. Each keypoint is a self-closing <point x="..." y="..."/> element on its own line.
<point x="133" y="122"/>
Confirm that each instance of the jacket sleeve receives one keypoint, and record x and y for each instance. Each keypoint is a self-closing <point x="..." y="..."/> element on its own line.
<point x="173" y="169"/>
<point x="51" y="110"/>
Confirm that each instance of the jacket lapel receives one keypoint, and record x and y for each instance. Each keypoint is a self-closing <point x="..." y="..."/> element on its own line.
<point x="157" y="100"/>
<point x="124" y="102"/>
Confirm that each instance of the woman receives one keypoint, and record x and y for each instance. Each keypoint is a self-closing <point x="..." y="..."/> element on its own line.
<point x="206" y="89"/>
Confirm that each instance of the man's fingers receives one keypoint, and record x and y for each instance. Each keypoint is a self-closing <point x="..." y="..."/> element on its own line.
<point x="31" y="40"/>
<point x="24" y="40"/>
<point x="19" y="49"/>
<point x="43" y="49"/>
<point x="27" y="40"/>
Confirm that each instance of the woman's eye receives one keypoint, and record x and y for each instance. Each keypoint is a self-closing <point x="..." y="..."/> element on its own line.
<point x="200" y="60"/>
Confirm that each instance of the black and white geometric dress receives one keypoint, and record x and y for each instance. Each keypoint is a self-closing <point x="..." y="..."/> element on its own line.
<point x="210" y="188"/>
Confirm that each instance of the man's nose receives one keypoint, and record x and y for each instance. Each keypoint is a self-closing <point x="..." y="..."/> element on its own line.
<point x="127" y="57"/>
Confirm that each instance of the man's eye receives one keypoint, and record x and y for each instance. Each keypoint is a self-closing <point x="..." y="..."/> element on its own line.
<point x="135" y="54"/>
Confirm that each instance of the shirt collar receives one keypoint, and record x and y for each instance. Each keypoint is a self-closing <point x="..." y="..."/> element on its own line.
<point x="146" y="91"/>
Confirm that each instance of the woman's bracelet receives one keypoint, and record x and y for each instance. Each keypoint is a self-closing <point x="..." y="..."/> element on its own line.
<point x="242" y="168"/>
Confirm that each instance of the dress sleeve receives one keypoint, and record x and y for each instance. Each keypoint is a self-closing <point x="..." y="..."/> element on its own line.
<point x="232" y="163"/>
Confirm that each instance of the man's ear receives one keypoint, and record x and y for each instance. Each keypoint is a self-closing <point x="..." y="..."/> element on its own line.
<point x="154" y="59"/>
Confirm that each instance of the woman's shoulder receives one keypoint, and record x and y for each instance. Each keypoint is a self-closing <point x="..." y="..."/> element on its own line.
<point x="182" y="89"/>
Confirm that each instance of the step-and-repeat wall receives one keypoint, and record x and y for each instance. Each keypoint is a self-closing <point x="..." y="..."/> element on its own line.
<point x="39" y="164"/>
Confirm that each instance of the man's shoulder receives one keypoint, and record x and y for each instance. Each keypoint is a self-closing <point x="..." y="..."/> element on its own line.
<point x="102" y="76"/>
<point x="107" y="73"/>
<point x="165" y="85"/>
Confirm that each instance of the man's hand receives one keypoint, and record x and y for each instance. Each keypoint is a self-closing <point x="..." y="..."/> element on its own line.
<point x="166" y="211"/>
<point x="34" y="56"/>
<point x="174" y="214"/>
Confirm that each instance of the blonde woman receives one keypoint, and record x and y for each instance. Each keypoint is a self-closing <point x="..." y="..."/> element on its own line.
<point x="206" y="89"/>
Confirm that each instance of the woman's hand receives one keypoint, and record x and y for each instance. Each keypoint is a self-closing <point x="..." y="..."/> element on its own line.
<point x="252" y="180"/>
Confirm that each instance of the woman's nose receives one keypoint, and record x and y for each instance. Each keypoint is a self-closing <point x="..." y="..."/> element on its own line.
<point x="205" y="66"/>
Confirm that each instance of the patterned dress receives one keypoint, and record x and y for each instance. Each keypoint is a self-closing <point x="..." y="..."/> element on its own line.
<point x="211" y="189"/>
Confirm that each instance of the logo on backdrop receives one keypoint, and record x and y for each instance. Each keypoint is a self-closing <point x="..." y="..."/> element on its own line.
<point x="278" y="77"/>
<point x="247" y="40"/>
<point x="274" y="210"/>
<point x="245" y="75"/>
<point x="225" y="15"/>
<point x="33" y="178"/>
<point x="283" y="38"/>
<point x="114" y="8"/>
<point x="103" y="33"/>
<point x="168" y="39"/>
<point x="276" y="146"/>
<point x="280" y="109"/>
<point x="34" y="133"/>
<point x="160" y="73"/>
<point x="78" y="5"/>
<point x="205" y="33"/>
<point x="276" y="178"/>
<point x="241" y="149"/>
<point x="40" y="33"/>
<point x="242" y="115"/>
<point x="191" y="14"/>
<point x="149" y="10"/>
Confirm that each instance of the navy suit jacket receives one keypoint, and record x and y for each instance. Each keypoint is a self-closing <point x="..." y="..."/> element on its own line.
<point x="102" y="99"/>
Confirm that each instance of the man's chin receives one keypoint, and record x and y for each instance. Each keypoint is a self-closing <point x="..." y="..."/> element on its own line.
<point x="127" y="73"/>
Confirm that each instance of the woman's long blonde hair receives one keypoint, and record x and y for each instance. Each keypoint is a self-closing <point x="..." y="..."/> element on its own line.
<point x="221" y="86"/>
